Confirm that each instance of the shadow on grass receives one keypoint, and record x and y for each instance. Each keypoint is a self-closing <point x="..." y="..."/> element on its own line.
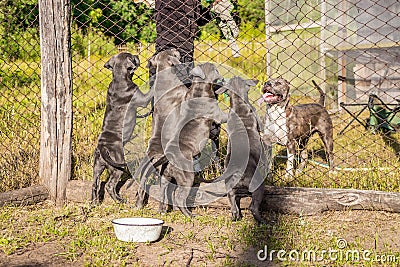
<point x="261" y="240"/>
<point x="166" y="230"/>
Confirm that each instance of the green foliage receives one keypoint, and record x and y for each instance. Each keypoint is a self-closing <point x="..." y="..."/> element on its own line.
<point x="21" y="43"/>
<point x="251" y="12"/>
<point x="136" y="20"/>
<point x="18" y="27"/>
<point x="123" y="20"/>
<point x="99" y="44"/>
<point x="20" y="14"/>
<point x="18" y="78"/>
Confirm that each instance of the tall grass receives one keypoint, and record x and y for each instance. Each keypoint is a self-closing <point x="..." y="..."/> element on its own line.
<point x="19" y="124"/>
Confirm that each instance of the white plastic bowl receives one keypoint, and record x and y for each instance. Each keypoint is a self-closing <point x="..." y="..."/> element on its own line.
<point x="137" y="229"/>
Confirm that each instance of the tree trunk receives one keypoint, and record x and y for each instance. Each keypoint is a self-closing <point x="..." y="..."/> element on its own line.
<point x="56" y="96"/>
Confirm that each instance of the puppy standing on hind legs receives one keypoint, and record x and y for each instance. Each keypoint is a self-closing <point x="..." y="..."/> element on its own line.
<point x="292" y="126"/>
<point x="243" y="176"/>
<point x="169" y="92"/>
<point x="123" y="98"/>
<point x="197" y="112"/>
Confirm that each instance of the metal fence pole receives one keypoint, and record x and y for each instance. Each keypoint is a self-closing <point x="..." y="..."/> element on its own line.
<point x="268" y="36"/>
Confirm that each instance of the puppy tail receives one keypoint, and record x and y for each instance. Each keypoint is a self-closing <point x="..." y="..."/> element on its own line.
<point x="321" y="94"/>
<point x="224" y="176"/>
<point x="206" y="181"/>
<point x="161" y="161"/>
<point x="105" y="154"/>
<point x="150" y="168"/>
<point x="139" y="171"/>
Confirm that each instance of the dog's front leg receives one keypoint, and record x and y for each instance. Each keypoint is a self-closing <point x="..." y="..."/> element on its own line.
<point x="291" y="150"/>
<point x="143" y="100"/>
<point x="129" y="125"/>
<point x="138" y="100"/>
<point x="304" y="159"/>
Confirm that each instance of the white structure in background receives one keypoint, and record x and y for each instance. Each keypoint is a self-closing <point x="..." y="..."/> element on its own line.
<point x="361" y="36"/>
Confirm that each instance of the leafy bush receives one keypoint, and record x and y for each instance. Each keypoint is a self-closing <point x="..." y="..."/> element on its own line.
<point x="17" y="78"/>
<point x="19" y="34"/>
<point x="99" y="43"/>
<point x="122" y="20"/>
<point x="20" y="44"/>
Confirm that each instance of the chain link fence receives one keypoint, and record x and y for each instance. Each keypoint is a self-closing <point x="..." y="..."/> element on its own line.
<point x="19" y="94"/>
<point x="350" y="48"/>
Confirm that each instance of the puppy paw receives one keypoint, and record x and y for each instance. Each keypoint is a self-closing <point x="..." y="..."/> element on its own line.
<point x="236" y="218"/>
<point x="94" y="203"/>
<point x="120" y="200"/>
<point x="261" y="221"/>
<point x="139" y="204"/>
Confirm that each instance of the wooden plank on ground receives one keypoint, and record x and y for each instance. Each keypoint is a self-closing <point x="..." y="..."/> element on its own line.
<point x="305" y="201"/>
<point x="24" y="196"/>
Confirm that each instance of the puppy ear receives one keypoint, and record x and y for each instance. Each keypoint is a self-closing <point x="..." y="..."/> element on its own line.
<point x="176" y="53"/>
<point x="172" y="60"/>
<point x="133" y="63"/>
<point x="110" y="63"/>
<point x="251" y="82"/>
<point x="136" y="61"/>
<point x="152" y="62"/>
<point x="198" y="72"/>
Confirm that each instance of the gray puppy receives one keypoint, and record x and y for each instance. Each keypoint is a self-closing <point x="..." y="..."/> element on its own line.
<point x="169" y="92"/>
<point x="196" y="115"/>
<point x="245" y="161"/>
<point x="185" y="132"/>
<point x="292" y="126"/>
<point x="123" y="98"/>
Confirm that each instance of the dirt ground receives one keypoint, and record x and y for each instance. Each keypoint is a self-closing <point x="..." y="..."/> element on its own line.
<point x="200" y="243"/>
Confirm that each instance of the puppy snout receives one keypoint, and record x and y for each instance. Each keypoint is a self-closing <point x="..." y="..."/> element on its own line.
<point x="266" y="86"/>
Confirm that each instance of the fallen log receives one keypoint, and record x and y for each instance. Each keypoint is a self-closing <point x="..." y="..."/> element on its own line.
<point x="310" y="201"/>
<point x="24" y="196"/>
<point x="305" y="201"/>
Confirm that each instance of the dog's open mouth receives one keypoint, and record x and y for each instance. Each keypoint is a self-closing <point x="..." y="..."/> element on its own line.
<point x="269" y="98"/>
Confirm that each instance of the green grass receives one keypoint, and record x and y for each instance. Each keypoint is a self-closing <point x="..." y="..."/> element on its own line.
<point x="83" y="236"/>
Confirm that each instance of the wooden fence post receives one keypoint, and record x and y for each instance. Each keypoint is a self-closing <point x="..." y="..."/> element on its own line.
<point x="56" y="97"/>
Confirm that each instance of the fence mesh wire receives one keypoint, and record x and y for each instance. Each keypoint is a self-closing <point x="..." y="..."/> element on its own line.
<point x="19" y="94"/>
<point x="350" y="48"/>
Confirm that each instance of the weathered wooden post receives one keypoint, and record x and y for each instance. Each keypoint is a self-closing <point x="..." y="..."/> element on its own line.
<point x="56" y="97"/>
